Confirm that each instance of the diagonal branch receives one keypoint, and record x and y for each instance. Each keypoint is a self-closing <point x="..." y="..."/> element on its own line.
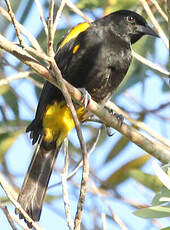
<point x="12" y="195"/>
<point x="154" y="22"/>
<point x="150" y="64"/>
<point x="23" y="30"/>
<point x="12" y="15"/>
<point x="159" y="151"/>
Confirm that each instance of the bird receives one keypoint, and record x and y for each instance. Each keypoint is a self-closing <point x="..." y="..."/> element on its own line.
<point x="94" y="56"/>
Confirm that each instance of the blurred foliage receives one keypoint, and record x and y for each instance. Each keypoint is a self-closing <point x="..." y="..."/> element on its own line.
<point x="12" y="123"/>
<point x="122" y="173"/>
<point x="161" y="201"/>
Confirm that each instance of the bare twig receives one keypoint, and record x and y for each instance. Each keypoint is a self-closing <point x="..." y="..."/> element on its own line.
<point x="19" y="222"/>
<point x="38" y="54"/>
<point x="58" y="15"/>
<point x="14" y="77"/>
<point x="12" y="15"/>
<point x="39" y="6"/>
<point x="115" y="217"/>
<point x="85" y="172"/>
<point x="162" y="106"/>
<point x="150" y="64"/>
<point x="80" y="163"/>
<point x="12" y="195"/>
<point x="154" y="21"/>
<point x="103" y="217"/>
<point x="29" y="36"/>
<point x="160" y="10"/>
<point x="50" y="29"/>
<point x="139" y="124"/>
<point x="8" y="216"/>
<point x="77" y="11"/>
<point x="64" y="175"/>
<point x="36" y="83"/>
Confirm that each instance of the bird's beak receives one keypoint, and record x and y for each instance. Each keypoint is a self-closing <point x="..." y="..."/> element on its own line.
<point x="147" y="30"/>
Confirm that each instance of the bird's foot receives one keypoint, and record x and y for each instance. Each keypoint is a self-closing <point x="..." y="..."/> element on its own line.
<point x="119" y="117"/>
<point x="86" y="97"/>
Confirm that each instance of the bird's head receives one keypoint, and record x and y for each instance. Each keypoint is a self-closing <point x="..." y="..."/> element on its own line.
<point x="130" y="25"/>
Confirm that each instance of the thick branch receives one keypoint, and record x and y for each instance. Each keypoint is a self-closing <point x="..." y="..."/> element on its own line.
<point x="157" y="150"/>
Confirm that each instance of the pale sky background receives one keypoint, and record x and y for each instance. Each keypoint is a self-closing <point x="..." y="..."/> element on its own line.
<point x="20" y="154"/>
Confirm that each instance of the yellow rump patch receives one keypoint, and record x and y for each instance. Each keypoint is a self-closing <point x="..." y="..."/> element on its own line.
<point x="58" y="122"/>
<point x="74" y="33"/>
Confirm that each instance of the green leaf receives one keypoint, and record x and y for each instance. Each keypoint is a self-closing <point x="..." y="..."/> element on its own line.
<point x="150" y="181"/>
<point x="13" y="125"/>
<point x="167" y="228"/>
<point x="10" y="99"/>
<point x="50" y="198"/>
<point x="121" y="144"/>
<point x="153" y="212"/>
<point x="90" y="4"/>
<point x="7" y="140"/>
<point x="161" y="197"/>
<point x="122" y="173"/>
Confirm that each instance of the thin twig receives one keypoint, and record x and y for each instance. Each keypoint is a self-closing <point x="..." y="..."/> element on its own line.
<point x="19" y="222"/>
<point x="139" y="124"/>
<point x="12" y="195"/>
<point x="50" y="29"/>
<point x="85" y="172"/>
<point x="154" y="21"/>
<point x="103" y="217"/>
<point x="77" y="10"/>
<point x="14" y="77"/>
<point x="160" y="10"/>
<point x="38" y="54"/>
<point x="8" y="216"/>
<point x="115" y="217"/>
<point x="150" y="64"/>
<point x="64" y="176"/>
<point x="162" y="106"/>
<point x="58" y="15"/>
<point x="29" y="36"/>
<point x="36" y="83"/>
<point x="80" y="163"/>
<point x="39" y="6"/>
<point x="12" y="15"/>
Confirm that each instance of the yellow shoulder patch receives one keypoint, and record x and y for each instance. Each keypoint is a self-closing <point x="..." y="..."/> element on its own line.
<point x="74" y="32"/>
<point x="76" y="48"/>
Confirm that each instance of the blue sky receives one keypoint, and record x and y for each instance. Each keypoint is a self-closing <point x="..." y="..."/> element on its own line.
<point x="20" y="154"/>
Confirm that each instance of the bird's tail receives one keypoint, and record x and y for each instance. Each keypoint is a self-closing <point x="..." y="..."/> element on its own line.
<point x="35" y="184"/>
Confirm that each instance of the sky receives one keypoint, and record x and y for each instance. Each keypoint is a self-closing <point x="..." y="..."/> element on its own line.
<point x="20" y="154"/>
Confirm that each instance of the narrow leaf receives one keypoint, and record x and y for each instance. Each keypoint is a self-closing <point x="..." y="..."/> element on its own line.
<point x="122" y="173"/>
<point x="153" y="212"/>
<point x="150" y="181"/>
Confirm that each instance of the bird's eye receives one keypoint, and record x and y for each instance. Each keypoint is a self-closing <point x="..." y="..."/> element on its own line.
<point x="130" y="19"/>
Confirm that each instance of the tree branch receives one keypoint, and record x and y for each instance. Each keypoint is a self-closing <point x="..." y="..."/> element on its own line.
<point x="12" y="195"/>
<point x="159" y="151"/>
<point x="12" y="15"/>
<point x="154" y="22"/>
<point x="24" y="31"/>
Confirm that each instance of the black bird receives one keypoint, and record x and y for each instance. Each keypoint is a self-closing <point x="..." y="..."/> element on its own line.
<point x="94" y="56"/>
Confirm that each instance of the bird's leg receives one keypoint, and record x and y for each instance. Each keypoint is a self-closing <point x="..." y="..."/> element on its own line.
<point x="108" y="131"/>
<point x="86" y="97"/>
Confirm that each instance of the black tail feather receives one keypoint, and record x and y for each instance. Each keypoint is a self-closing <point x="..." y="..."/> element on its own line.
<point x="36" y="181"/>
